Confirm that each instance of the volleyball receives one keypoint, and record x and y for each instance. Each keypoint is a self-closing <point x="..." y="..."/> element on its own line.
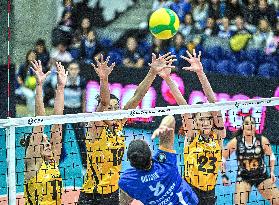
<point x="163" y="23"/>
<point x="31" y="82"/>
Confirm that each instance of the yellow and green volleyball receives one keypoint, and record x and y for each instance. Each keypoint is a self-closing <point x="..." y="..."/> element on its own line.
<point x="30" y="82"/>
<point x="163" y="23"/>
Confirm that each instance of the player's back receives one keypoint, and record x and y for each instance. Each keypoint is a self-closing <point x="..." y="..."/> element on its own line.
<point x="162" y="184"/>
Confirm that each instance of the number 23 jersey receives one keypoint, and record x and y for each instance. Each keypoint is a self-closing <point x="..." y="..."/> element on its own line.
<point x="202" y="160"/>
<point x="104" y="158"/>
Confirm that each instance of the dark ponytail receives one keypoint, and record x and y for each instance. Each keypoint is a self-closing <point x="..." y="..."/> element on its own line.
<point x="239" y="132"/>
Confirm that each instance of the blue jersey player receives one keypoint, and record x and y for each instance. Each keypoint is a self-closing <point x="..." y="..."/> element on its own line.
<point x="155" y="180"/>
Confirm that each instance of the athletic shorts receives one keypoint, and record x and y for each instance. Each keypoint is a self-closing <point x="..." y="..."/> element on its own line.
<point x="252" y="180"/>
<point x="99" y="199"/>
<point x="205" y="197"/>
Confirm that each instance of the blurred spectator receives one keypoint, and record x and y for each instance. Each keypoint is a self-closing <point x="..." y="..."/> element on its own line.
<point x="66" y="22"/>
<point x="67" y="5"/>
<point x="211" y="28"/>
<point x="74" y="49"/>
<point x="64" y="30"/>
<point x="61" y="54"/>
<point x="187" y="27"/>
<point x="272" y="42"/>
<point x="42" y="53"/>
<point x="157" y="4"/>
<point x="84" y="29"/>
<point x="181" y="8"/>
<point x="159" y="46"/>
<point x="200" y="13"/>
<point x="224" y="29"/>
<point x="27" y="82"/>
<point x="266" y="11"/>
<point x="215" y="10"/>
<point x="81" y="11"/>
<point x="263" y="33"/>
<point x="233" y="9"/>
<point x="90" y="48"/>
<point x="74" y="102"/>
<point x="132" y="57"/>
<point x="240" y="27"/>
<point x="249" y="11"/>
<point x="178" y="48"/>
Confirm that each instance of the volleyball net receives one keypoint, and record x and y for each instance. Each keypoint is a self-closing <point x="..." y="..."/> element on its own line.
<point x="71" y="166"/>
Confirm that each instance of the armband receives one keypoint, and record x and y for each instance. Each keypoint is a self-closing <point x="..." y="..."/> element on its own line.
<point x="272" y="157"/>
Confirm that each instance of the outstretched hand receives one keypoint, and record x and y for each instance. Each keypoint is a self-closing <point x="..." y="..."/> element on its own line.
<point x="102" y="69"/>
<point x="61" y="74"/>
<point x="38" y="70"/>
<point x="195" y="62"/>
<point x="164" y="62"/>
<point x="162" y="131"/>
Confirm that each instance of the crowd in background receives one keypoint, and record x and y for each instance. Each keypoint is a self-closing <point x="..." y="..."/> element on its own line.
<point x="76" y="44"/>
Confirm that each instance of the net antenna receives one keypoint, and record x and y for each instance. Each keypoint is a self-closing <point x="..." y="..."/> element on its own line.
<point x="11" y="123"/>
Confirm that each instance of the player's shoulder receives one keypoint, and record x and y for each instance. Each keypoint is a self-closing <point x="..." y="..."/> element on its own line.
<point x="129" y="174"/>
<point x="129" y="177"/>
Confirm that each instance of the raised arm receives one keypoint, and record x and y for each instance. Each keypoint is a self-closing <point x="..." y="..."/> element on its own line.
<point x="32" y="143"/>
<point x="103" y="71"/>
<point x="187" y="119"/>
<point x="157" y="64"/>
<point x="196" y="66"/>
<point x="56" y="129"/>
<point x="166" y="133"/>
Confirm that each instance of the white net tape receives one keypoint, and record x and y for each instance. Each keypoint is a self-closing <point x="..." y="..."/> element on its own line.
<point x="134" y="113"/>
<point x="12" y="123"/>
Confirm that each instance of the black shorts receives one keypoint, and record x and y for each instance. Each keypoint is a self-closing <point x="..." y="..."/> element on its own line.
<point x="99" y="199"/>
<point x="252" y="180"/>
<point x="205" y="197"/>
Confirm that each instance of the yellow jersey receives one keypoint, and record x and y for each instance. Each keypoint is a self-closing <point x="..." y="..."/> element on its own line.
<point x="45" y="188"/>
<point x="202" y="160"/>
<point x="104" y="159"/>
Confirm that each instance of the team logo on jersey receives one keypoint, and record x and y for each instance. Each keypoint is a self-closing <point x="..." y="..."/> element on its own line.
<point x="162" y="157"/>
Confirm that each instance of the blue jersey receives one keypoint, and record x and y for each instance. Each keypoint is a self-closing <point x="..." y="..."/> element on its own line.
<point x="161" y="185"/>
